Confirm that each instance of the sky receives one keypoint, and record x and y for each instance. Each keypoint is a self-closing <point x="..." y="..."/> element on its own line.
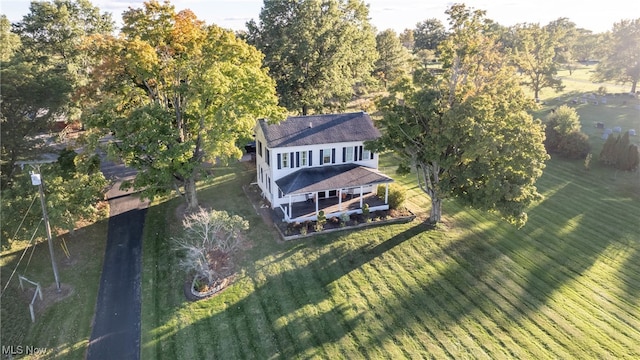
<point x="597" y="16"/>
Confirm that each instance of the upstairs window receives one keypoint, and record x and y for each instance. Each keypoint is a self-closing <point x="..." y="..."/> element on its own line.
<point x="303" y="158"/>
<point x="348" y="154"/>
<point x="285" y="160"/>
<point x="326" y="156"/>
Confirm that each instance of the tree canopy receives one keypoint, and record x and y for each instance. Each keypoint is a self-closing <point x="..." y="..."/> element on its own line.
<point x="467" y="131"/>
<point x="41" y="64"/>
<point x="317" y="51"/>
<point x="428" y="34"/>
<point x="535" y="56"/>
<point x="622" y="60"/>
<point x="176" y="93"/>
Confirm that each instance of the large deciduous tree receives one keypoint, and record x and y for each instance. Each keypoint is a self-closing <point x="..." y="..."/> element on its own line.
<point x="622" y="60"/>
<point x="41" y="65"/>
<point x="175" y="93"/>
<point x="535" y="56"/>
<point x="51" y="36"/>
<point x="467" y="131"/>
<point x="317" y="51"/>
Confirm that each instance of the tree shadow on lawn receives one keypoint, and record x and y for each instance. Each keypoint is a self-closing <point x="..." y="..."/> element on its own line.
<point x="272" y="320"/>
<point x="277" y="305"/>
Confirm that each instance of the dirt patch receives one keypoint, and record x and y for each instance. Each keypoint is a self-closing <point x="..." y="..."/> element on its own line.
<point x="50" y="296"/>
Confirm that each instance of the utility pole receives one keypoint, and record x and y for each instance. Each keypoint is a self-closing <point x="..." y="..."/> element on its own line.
<point x="36" y="179"/>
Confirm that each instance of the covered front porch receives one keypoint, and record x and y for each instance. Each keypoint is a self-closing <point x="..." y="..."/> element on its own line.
<point x="335" y="190"/>
<point x="332" y="207"/>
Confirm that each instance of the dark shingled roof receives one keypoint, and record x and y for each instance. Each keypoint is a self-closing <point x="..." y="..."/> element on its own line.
<point x="330" y="178"/>
<point x="319" y="129"/>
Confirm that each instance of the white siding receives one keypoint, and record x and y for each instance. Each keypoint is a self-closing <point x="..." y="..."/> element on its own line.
<point x="271" y="172"/>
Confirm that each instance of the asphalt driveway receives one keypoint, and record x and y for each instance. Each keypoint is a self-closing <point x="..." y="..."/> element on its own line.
<point x="116" y="324"/>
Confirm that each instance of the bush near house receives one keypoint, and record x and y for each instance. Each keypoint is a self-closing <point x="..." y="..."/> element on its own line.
<point x="397" y="195"/>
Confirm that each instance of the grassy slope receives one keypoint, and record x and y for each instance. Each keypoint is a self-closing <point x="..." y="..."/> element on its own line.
<point x="64" y="327"/>
<point x="567" y="285"/>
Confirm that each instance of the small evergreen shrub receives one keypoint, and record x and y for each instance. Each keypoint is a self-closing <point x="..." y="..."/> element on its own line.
<point x="397" y="195"/>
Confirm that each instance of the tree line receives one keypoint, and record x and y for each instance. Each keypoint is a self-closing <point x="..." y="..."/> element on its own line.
<point x="175" y="93"/>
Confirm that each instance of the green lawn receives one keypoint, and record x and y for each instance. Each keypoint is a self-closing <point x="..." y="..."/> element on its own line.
<point x="567" y="285"/>
<point x="64" y="327"/>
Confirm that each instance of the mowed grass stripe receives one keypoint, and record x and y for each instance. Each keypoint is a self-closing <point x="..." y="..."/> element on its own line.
<point x="264" y="340"/>
<point x="570" y="307"/>
<point x="375" y="319"/>
<point x="392" y="299"/>
<point x="518" y="295"/>
<point x="548" y="286"/>
<point x="298" y="310"/>
<point x="575" y="269"/>
<point x="278" y="303"/>
<point x="335" y="318"/>
<point x="309" y="286"/>
<point x="438" y="289"/>
<point x="413" y="304"/>
<point x="423" y="311"/>
<point x="404" y="307"/>
<point x="268" y="306"/>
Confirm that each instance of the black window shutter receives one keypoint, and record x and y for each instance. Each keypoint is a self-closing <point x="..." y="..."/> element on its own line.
<point x="371" y="155"/>
<point x="291" y="159"/>
<point x="344" y="154"/>
<point x="333" y="156"/>
<point x="321" y="160"/>
<point x="310" y="158"/>
<point x="360" y="153"/>
<point x="297" y="158"/>
<point x="279" y="161"/>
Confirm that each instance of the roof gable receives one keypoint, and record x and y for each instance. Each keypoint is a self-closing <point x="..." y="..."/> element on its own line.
<point x="319" y="129"/>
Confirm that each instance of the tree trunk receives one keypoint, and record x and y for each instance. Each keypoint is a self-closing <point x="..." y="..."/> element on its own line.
<point x="633" y="87"/>
<point x="190" y="194"/>
<point x="436" y="211"/>
<point x="305" y="110"/>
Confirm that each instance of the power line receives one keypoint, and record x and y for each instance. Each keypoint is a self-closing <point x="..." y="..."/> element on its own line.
<point x="21" y="257"/>
<point x="24" y="217"/>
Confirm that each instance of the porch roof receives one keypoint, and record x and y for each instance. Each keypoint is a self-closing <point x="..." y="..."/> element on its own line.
<point x="332" y="177"/>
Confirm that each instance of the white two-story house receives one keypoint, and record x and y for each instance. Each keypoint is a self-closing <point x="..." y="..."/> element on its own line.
<point x="305" y="164"/>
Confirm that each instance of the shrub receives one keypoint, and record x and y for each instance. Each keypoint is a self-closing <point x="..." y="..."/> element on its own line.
<point x="397" y="195"/>
<point x="322" y="219"/>
<point x="617" y="152"/>
<point x="365" y="210"/>
<point x="207" y="233"/>
<point x="563" y="135"/>
<point x="574" y="145"/>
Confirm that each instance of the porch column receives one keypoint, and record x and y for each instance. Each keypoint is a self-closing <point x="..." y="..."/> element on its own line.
<point x="290" y="209"/>
<point x="316" y="200"/>
<point x="340" y="200"/>
<point x="361" y="190"/>
<point x="386" y="193"/>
